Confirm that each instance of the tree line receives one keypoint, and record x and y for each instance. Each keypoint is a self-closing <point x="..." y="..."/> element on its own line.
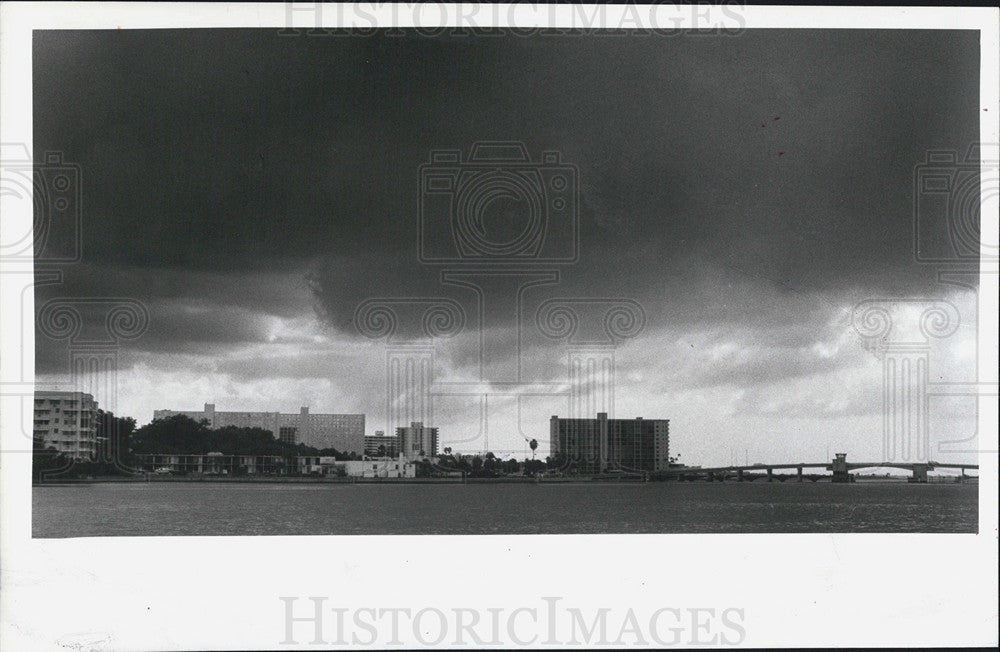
<point x="182" y="435"/>
<point x="119" y="443"/>
<point x="485" y="466"/>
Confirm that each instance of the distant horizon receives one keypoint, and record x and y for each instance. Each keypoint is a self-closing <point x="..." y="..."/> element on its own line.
<point x="511" y="453"/>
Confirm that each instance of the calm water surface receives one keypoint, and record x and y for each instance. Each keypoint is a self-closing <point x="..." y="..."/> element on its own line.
<point x="163" y="509"/>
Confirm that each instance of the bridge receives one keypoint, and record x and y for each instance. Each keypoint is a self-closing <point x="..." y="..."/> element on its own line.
<point x="839" y="466"/>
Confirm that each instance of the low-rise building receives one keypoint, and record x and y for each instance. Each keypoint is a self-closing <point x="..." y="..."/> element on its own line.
<point x="240" y="465"/>
<point x="214" y="464"/>
<point x="382" y="467"/>
<point x="369" y="467"/>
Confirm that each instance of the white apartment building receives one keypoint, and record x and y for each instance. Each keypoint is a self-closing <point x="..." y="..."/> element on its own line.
<point x="67" y="422"/>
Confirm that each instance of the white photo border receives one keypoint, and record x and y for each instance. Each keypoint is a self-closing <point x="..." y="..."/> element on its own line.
<point x="135" y="593"/>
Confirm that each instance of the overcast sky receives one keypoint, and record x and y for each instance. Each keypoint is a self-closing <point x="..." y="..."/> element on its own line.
<point x="253" y="189"/>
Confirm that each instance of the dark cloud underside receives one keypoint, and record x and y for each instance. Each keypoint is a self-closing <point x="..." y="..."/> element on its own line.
<point x="780" y="155"/>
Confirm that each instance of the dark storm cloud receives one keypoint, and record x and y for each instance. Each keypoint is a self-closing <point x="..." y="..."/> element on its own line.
<point x="277" y="291"/>
<point x="781" y="156"/>
<point x="191" y="311"/>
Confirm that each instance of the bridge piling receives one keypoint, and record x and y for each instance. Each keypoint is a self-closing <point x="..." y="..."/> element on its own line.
<point x="800" y="474"/>
<point x="839" y="468"/>
<point x="919" y="473"/>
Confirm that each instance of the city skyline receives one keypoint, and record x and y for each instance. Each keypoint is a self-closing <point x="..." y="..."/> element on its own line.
<point x="746" y="212"/>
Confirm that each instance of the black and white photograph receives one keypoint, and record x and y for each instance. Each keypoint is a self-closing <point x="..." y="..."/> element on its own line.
<point x="429" y="293"/>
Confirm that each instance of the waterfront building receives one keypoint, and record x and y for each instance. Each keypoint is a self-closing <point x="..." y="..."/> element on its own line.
<point x="67" y="422"/>
<point x="382" y="467"/>
<point x="314" y="465"/>
<point x="418" y="440"/>
<point x="602" y="444"/>
<point x="214" y="464"/>
<point x="344" y="432"/>
<point x="378" y="467"/>
<point x="244" y="465"/>
<point x="374" y="445"/>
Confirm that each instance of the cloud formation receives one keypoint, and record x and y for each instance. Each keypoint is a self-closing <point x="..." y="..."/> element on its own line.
<point x="252" y="191"/>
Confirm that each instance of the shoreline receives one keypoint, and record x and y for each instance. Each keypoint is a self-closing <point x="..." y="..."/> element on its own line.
<point x="588" y="480"/>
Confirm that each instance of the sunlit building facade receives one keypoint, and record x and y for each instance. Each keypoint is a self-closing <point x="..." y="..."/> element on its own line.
<point x="67" y="422"/>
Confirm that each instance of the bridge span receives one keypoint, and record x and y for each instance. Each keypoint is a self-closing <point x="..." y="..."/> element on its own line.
<point x="839" y="466"/>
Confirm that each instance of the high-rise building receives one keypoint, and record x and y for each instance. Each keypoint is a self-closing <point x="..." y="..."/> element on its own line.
<point x="417" y="440"/>
<point x="67" y="422"/>
<point x="344" y="432"/>
<point x="379" y="445"/>
<point x="603" y="444"/>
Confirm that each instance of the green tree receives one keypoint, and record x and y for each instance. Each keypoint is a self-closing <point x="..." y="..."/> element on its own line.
<point x="534" y="466"/>
<point x="425" y="469"/>
<point x="448" y="462"/>
<point x="176" y="435"/>
<point x="46" y="461"/>
<point x="114" y="444"/>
